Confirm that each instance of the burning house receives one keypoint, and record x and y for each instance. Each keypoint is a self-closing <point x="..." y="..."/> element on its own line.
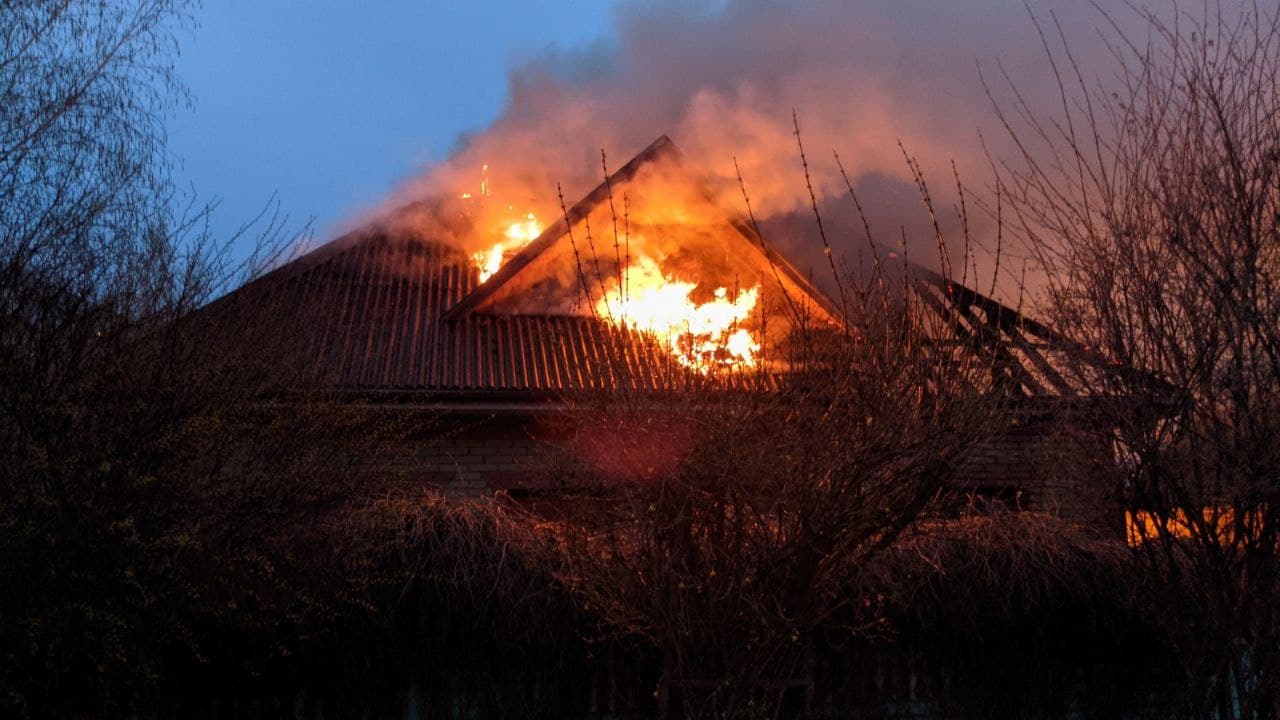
<point x="475" y="310"/>
<point x="491" y="330"/>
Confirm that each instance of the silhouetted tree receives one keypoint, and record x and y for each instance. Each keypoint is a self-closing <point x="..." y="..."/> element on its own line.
<point x="153" y="515"/>
<point x="1153" y="207"/>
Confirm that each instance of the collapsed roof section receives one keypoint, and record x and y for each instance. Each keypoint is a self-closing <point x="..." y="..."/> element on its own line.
<point x="1028" y="358"/>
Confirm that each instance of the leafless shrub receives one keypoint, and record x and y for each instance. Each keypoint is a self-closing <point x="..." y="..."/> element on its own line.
<point x="1029" y="556"/>
<point x="472" y="590"/>
<point x="1019" y="614"/>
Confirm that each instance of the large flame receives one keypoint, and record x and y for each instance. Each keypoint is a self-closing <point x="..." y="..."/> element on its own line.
<point x="703" y="336"/>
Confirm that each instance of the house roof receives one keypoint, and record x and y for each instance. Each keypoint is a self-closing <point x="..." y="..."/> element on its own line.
<point x="734" y="236"/>
<point x="371" y="316"/>
<point x="386" y="308"/>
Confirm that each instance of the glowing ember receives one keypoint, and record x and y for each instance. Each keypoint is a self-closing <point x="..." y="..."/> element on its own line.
<point x="702" y="336"/>
<point x="516" y="236"/>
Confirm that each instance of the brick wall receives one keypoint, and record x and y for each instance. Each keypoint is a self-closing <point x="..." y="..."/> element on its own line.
<point x="474" y="455"/>
<point x="1040" y="462"/>
<point x="1046" y="462"/>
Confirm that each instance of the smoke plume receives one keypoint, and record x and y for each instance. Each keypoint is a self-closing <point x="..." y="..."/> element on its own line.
<point x="866" y="80"/>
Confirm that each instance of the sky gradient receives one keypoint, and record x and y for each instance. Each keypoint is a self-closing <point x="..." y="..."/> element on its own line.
<point x="330" y="104"/>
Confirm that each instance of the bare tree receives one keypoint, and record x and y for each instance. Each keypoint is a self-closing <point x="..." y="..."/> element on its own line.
<point x="1153" y="206"/>
<point x="152" y="506"/>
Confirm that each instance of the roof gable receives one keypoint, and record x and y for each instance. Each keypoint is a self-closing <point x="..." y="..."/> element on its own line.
<point x="652" y="206"/>
<point x="389" y="308"/>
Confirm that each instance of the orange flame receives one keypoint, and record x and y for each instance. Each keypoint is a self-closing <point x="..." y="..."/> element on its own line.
<point x="517" y="235"/>
<point x="701" y="336"/>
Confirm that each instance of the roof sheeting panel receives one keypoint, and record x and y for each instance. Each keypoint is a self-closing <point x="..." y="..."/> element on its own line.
<point x="370" y="316"/>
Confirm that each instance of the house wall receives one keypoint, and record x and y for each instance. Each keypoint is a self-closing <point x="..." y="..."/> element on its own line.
<point x="474" y="454"/>
<point x="1040" y="462"/>
<point x="1045" y="461"/>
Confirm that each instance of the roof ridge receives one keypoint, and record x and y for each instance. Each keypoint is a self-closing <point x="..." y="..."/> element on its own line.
<point x="661" y="149"/>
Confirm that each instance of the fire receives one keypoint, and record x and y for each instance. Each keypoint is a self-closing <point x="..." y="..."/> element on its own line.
<point x="516" y="236"/>
<point x="703" y="333"/>
<point x="701" y="336"/>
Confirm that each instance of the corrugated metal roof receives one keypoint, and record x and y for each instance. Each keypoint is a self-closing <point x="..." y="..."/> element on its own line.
<point x="373" y="321"/>
<point x="391" y="310"/>
<point x="373" y="314"/>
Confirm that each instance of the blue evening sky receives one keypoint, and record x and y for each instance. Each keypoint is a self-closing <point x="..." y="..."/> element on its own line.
<point x="330" y="103"/>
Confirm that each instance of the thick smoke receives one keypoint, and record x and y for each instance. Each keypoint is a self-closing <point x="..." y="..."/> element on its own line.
<point x="866" y="79"/>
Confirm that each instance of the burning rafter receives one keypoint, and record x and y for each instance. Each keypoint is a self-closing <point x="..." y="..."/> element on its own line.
<point x="691" y="276"/>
